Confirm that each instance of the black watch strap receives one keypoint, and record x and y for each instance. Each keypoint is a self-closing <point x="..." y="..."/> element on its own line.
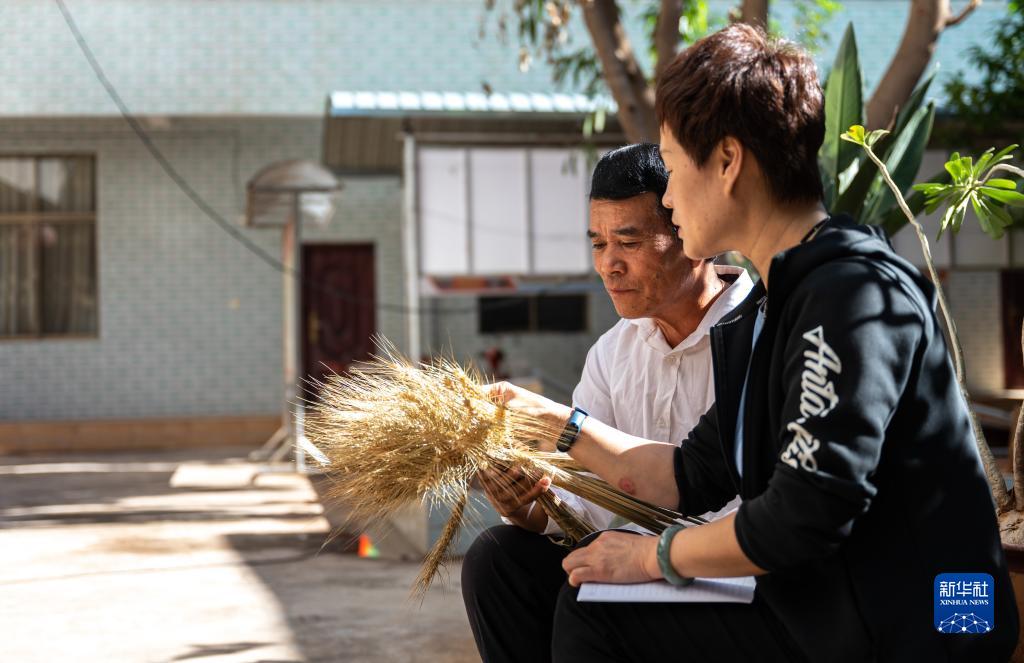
<point x="571" y="430"/>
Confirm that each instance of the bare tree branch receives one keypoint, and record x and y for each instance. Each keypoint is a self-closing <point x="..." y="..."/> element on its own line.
<point x="964" y="13"/>
<point x="666" y="34"/>
<point x="622" y="73"/>
<point x="926" y="21"/>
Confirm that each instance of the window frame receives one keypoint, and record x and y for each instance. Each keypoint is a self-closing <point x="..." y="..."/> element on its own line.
<point x="35" y="220"/>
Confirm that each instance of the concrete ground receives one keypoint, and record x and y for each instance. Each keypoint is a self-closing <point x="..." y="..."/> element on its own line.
<point x="103" y="560"/>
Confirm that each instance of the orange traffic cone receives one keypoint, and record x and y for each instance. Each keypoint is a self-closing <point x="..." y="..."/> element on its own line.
<point x="366" y="547"/>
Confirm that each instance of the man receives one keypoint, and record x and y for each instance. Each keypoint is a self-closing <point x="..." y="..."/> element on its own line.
<point x="837" y="416"/>
<point x="649" y="375"/>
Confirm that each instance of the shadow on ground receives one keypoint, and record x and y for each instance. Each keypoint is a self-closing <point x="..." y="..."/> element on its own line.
<point x="232" y="574"/>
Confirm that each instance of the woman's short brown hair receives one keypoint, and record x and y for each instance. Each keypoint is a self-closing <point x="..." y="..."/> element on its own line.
<point x="763" y="92"/>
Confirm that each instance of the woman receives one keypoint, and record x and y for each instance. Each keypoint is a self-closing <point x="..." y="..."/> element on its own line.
<point x="837" y="419"/>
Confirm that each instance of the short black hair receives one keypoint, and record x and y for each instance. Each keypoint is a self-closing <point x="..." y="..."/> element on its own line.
<point x="631" y="171"/>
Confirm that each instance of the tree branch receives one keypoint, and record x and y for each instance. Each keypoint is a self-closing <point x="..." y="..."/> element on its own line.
<point x="964" y="13"/>
<point x="754" y="12"/>
<point x="622" y="72"/>
<point x="666" y="34"/>
<point x="925" y="22"/>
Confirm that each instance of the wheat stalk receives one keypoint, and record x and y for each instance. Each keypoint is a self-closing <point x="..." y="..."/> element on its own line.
<point x="395" y="432"/>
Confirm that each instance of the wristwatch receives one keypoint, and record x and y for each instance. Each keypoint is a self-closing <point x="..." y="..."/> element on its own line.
<point x="571" y="430"/>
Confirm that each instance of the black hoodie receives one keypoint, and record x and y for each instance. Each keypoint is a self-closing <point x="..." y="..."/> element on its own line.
<point x="861" y="480"/>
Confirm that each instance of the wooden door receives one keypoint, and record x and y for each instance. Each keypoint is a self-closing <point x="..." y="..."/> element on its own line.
<point x="1013" y="315"/>
<point x="339" y="307"/>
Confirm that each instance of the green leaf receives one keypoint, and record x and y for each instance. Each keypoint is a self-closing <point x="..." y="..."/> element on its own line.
<point x="854" y="134"/>
<point x="967" y="167"/>
<point x="992" y="227"/>
<point x="958" y="218"/>
<point x="1001" y="215"/>
<point x="930" y="188"/>
<point x="960" y="168"/>
<point x="933" y="202"/>
<point x="903" y="162"/>
<point x="851" y="197"/>
<point x="1002" y="195"/>
<point x="874" y="136"/>
<point x="954" y="167"/>
<point x="959" y="211"/>
<point x="844" y="106"/>
<point x="913" y="103"/>
<point x="1000" y="183"/>
<point x="1003" y="154"/>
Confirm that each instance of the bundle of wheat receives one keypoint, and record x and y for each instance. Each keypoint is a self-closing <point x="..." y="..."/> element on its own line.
<point x="396" y="432"/>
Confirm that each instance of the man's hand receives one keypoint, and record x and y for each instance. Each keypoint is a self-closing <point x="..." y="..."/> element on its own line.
<point x="513" y="493"/>
<point x="534" y="405"/>
<point x="614" y="557"/>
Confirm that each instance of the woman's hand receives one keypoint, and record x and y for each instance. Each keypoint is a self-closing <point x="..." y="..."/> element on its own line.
<point x="614" y="557"/>
<point x="531" y="404"/>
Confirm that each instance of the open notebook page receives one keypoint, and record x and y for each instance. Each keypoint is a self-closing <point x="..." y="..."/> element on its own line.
<point x="703" y="590"/>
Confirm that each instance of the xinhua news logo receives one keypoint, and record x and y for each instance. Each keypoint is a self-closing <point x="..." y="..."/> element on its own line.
<point x="964" y="603"/>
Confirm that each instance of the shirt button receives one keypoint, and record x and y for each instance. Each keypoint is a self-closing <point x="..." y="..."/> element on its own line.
<point x="662" y="423"/>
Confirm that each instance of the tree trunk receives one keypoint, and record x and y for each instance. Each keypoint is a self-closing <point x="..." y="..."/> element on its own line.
<point x="622" y="73"/>
<point x="926" y="21"/>
<point x="666" y="34"/>
<point x="1015" y="448"/>
<point x="754" y="12"/>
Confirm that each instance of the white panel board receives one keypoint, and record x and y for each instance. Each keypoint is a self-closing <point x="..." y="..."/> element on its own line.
<point x="559" y="181"/>
<point x="443" y="228"/>
<point x="498" y="211"/>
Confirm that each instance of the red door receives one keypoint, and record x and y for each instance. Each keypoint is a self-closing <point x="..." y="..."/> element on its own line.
<point x="338" y="307"/>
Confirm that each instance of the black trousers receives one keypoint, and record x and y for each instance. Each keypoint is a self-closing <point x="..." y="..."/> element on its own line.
<point x="521" y="609"/>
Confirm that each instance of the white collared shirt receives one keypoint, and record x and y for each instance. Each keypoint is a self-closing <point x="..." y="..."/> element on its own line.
<point x="635" y="382"/>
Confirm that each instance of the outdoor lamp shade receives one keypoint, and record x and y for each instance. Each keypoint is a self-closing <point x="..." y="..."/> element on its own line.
<point x="271" y="194"/>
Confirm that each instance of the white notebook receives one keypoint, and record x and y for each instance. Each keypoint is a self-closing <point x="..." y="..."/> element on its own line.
<point x="703" y="590"/>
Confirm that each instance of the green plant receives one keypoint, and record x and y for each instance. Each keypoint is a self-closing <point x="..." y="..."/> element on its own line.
<point x="851" y="184"/>
<point x="970" y="183"/>
<point x="998" y="96"/>
<point x="974" y="185"/>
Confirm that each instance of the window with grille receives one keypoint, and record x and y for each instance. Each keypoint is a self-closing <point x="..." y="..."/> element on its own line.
<point x="536" y="313"/>
<point x="47" y="246"/>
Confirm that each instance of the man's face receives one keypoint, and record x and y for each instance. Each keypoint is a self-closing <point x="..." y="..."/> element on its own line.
<point x="637" y="255"/>
<point x="691" y="195"/>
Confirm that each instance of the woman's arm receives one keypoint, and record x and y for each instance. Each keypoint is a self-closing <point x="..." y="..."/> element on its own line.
<point x="708" y="551"/>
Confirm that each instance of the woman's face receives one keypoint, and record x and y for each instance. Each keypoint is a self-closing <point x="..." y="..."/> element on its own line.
<point x="698" y="199"/>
